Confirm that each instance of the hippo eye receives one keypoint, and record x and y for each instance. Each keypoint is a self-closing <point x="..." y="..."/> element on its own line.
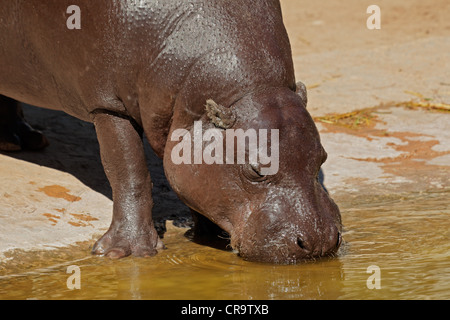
<point x="253" y="173"/>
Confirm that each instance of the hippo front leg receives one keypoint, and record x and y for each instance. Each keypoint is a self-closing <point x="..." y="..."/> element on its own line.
<point x="132" y="231"/>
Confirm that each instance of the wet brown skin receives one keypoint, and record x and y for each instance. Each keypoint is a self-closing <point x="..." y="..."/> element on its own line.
<point x="152" y="68"/>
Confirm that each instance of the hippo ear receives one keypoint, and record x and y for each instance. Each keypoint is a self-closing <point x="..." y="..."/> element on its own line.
<point x="220" y="116"/>
<point x="301" y="91"/>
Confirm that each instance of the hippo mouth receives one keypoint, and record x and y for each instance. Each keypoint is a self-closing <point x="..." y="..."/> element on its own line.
<point x="265" y="237"/>
<point x="279" y="250"/>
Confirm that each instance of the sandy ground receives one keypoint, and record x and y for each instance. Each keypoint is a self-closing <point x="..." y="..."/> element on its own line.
<point x="60" y="196"/>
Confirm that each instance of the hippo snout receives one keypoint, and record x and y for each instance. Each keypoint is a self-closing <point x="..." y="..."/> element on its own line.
<point x="275" y="234"/>
<point x="312" y="248"/>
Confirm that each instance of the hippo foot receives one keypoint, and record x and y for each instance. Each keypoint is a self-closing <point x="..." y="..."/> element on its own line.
<point x="23" y="137"/>
<point x="31" y="139"/>
<point x="115" y="244"/>
<point x="9" y="142"/>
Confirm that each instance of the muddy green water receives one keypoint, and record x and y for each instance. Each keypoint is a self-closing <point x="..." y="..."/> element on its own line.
<point x="406" y="238"/>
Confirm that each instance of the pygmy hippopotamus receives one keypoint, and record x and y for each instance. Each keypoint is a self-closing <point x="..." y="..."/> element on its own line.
<point x="175" y="70"/>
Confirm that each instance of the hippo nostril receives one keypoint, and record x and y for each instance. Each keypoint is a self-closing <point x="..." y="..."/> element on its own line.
<point x="300" y="243"/>
<point x="333" y="248"/>
<point x="339" y="240"/>
<point x="303" y="245"/>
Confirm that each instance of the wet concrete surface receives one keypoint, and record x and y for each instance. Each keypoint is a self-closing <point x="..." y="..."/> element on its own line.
<point x="401" y="150"/>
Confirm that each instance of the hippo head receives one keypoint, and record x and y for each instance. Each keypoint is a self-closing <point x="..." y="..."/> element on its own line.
<point x="272" y="204"/>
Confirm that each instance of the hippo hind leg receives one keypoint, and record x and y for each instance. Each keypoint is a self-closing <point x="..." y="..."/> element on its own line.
<point x="15" y="132"/>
